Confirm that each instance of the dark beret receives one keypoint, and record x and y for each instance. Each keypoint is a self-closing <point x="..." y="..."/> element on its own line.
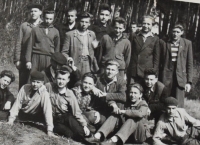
<point x="35" y="5"/>
<point x="65" y="68"/>
<point x="171" y="101"/>
<point x="36" y="75"/>
<point x="59" y="58"/>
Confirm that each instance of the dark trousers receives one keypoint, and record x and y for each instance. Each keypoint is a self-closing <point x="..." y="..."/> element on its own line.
<point x="23" y="75"/>
<point x="68" y="126"/>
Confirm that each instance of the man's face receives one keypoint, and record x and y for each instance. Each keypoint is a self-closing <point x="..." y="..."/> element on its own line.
<point x="87" y="84"/>
<point x="62" y="80"/>
<point x="48" y="19"/>
<point x="84" y="24"/>
<point x="71" y="17"/>
<point x="147" y="25"/>
<point x="35" y="13"/>
<point x="111" y="71"/>
<point x="171" y="110"/>
<point x="176" y="34"/>
<point x="36" y="84"/>
<point x="5" y="82"/>
<point x="104" y="16"/>
<point x="150" y="80"/>
<point x="119" y="29"/>
<point x="133" y="28"/>
<point x="135" y="95"/>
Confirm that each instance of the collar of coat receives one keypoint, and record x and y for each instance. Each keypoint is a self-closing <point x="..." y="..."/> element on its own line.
<point x="149" y="34"/>
<point x="30" y="23"/>
<point x="77" y="34"/>
<point x="40" y="90"/>
<point x="42" y="25"/>
<point x="112" y="35"/>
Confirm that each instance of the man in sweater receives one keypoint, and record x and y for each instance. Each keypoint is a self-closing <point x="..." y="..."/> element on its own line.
<point x="33" y="103"/>
<point x="35" y="11"/>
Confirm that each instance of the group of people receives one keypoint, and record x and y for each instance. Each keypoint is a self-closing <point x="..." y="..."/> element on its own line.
<point x="93" y="83"/>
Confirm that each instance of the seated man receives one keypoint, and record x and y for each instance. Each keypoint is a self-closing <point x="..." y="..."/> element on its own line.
<point x="67" y="116"/>
<point x="134" y="125"/>
<point x="33" y="103"/>
<point x="173" y="124"/>
<point x="154" y="93"/>
<point x="6" y="97"/>
<point x="57" y="61"/>
<point x="88" y="102"/>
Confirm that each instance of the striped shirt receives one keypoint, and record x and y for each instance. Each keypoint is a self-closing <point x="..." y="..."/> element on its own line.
<point x="174" y="51"/>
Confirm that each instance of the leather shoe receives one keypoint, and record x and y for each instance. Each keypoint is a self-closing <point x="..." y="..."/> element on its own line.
<point x="92" y="139"/>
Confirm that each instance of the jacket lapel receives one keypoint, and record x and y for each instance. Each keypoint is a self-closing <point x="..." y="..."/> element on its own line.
<point x="76" y="35"/>
<point x="147" y="42"/>
<point x="180" y="46"/>
<point x="140" y="42"/>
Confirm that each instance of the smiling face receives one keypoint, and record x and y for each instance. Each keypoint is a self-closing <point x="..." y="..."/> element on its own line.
<point x="36" y="84"/>
<point x="176" y="34"/>
<point x="71" y="17"/>
<point x="87" y="84"/>
<point x="150" y="80"/>
<point x="104" y="16"/>
<point x="5" y="82"/>
<point x="147" y="25"/>
<point x="135" y="95"/>
<point x="84" y="24"/>
<point x="62" y="80"/>
<point x="35" y="13"/>
<point x="111" y="71"/>
<point x="119" y="29"/>
<point x="48" y="19"/>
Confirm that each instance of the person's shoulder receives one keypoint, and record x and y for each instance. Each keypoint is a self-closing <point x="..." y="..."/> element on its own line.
<point x="71" y="33"/>
<point x="91" y="32"/>
<point x="160" y="84"/>
<point x="120" y="79"/>
<point x="186" y="40"/>
<point x="143" y="103"/>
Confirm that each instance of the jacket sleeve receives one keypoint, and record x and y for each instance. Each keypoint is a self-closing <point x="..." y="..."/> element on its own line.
<point x="66" y="46"/>
<point x="140" y="113"/>
<point x="57" y="41"/>
<point x="189" y="63"/>
<point x="156" y="55"/>
<point x="127" y="55"/>
<point x="17" y="50"/>
<point x="31" y="42"/>
<point x="118" y="95"/>
<point x="159" y="134"/>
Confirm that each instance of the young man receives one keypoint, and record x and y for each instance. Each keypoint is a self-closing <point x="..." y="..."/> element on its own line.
<point x="44" y="41"/>
<point x="78" y="45"/>
<point x="145" y="51"/>
<point x="6" y="97"/>
<point x="116" y="46"/>
<point x="88" y="102"/>
<point x="57" y="61"/>
<point x="173" y="124"/>
<point x="133" y="126"/>
<point x="33" y="103"/>
<point x="70" y="24"/>
<point x="177" y="64"/>
<point x="68" y="119"/>
<point x="35" y="11"/>
<point x="133" y="27"/>
<point x="154" y="93"/>
<point x="101" y="27"/>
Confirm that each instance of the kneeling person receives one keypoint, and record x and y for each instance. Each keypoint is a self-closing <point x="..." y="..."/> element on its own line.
<point x="67" y="116"/>
<point x="33" y="103"/>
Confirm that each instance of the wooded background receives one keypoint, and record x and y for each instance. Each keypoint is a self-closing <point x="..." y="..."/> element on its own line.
<point x="14" y="12"/>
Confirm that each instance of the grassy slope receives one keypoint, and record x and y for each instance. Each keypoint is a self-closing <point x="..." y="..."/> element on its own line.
<point x="27" y="135"/>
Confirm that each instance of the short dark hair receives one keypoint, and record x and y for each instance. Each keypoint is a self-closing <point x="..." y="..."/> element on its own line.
<point x="120" y="20"/>
<point x="84" y="15"/>
<point x="104" y="6"/>
<point x="179" y="25"/>
<point x="9" y="74"/>
<point x="136" y="85"/>
<point x="61" y="72"/>
<point x="91" y="75"/>
<point x="71" y="9"/>
<point x="150" y="71"/>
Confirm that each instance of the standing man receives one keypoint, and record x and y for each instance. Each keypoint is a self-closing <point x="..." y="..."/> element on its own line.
<point x="116" y="46"/>
<point x="44" y="41"/>
<point x="70" y="25"/>
<point x="177" y="64"/>
<point x="145" y="51"/>
<point x="78" y="45"/>
<point x="35" y="11"/>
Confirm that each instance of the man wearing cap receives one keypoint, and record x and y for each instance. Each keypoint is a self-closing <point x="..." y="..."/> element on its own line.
<point x="33" y="103"/>
<point x="145" y="51"/>
<point x="44" y="41"/>
<point x="67" y="116"/>
<point x="177" y="64"/>
<point x="57" y="61"/>
<point x="78" y="45"/>
<point x="35" y="11"/>
<point x="176" y="125"/>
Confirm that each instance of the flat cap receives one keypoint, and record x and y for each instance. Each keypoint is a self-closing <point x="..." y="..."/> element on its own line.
<point x="170" y="101"/>
<point x="59" y="58"/>
<point x="36" y="75"/>
<point x="35" y="5"/>
<point x="112" y="62"/>
<point x="65" y="68"/>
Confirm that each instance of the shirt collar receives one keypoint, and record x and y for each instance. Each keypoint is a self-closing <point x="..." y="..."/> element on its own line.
<point x="170" y="119"/>
<point x="72" y="25"/>
<point x="136" y="104"/>
<point x="30" y="23"/>
<point x="40" y="90"/>
<point x="82" y="34"/>
<point x="149" y="34"/>
<point x="44" y="26"/>
<point x="113" y="81"/>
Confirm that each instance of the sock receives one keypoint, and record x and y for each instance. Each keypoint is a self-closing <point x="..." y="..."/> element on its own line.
<point x="114" y="139"/>
<point x="97" y="135"/>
